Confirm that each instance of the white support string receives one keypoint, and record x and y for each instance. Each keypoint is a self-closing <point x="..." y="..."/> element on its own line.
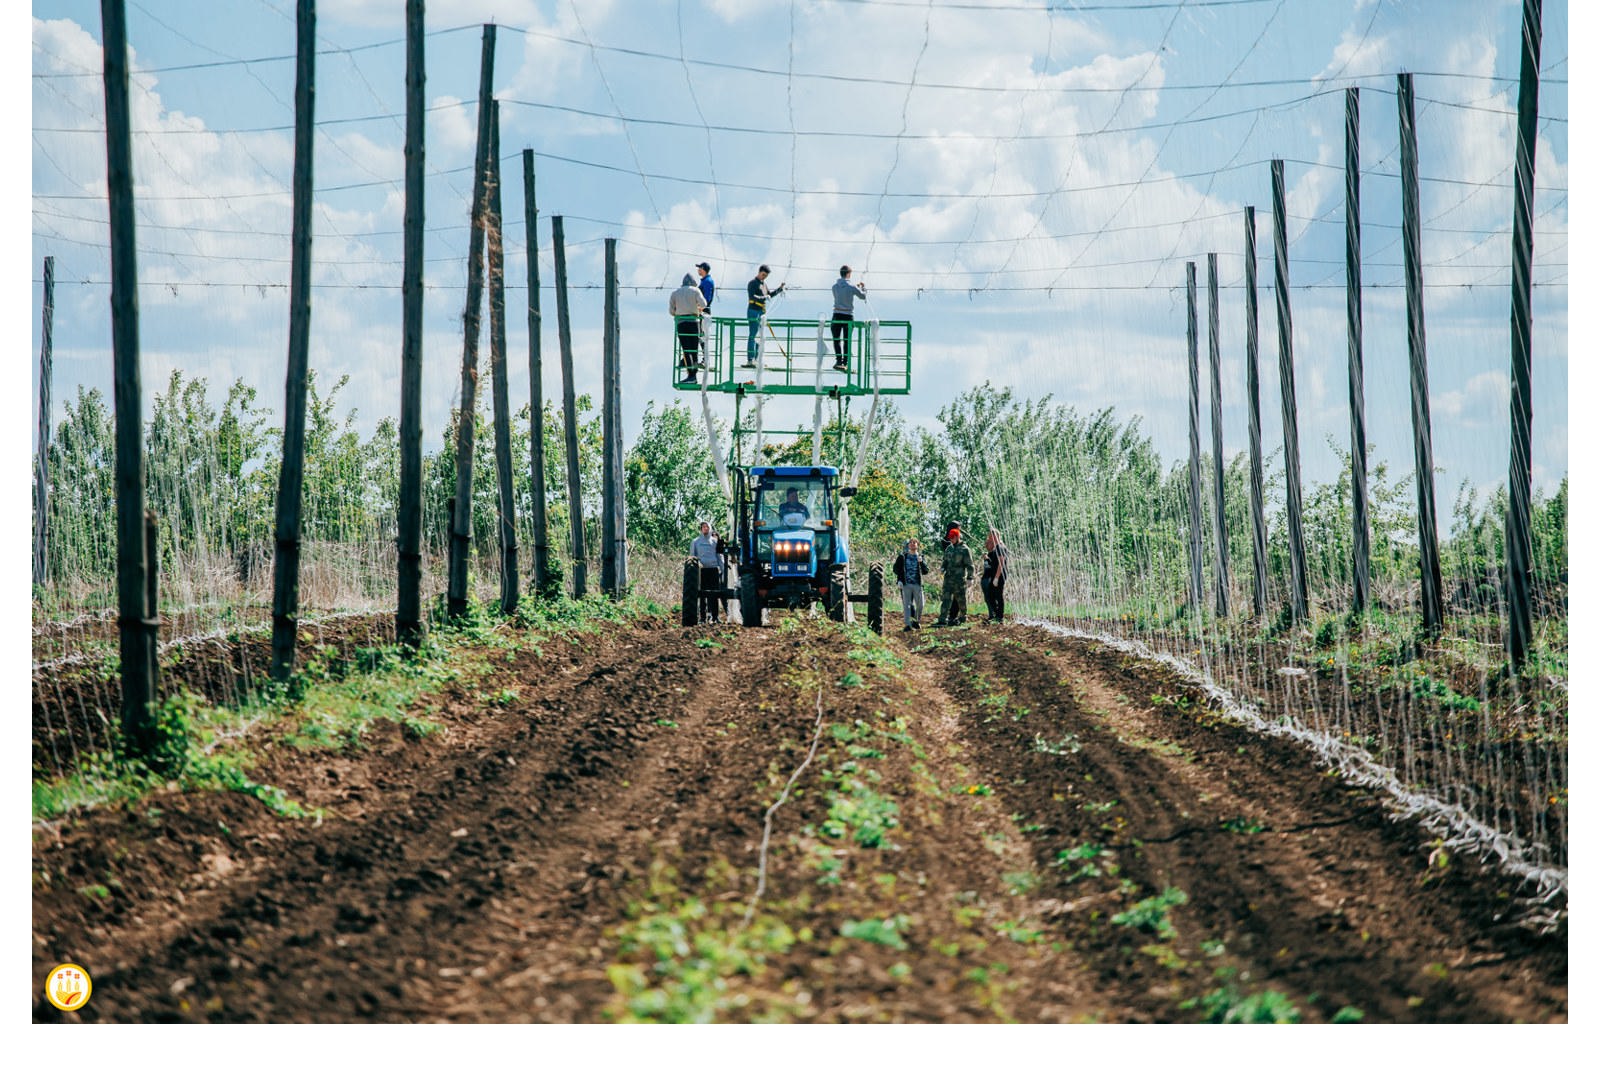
<point x="816" y="414"/>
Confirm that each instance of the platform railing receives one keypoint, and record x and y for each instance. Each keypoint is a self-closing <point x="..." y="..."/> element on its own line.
<point x="795" y="357"/>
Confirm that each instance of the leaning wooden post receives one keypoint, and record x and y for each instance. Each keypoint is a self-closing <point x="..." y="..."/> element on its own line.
<point x="1291" y="416"/>
<point x="608" y="467"/>
<point x="136" y="638"/>
<point x="619" y="498"/>
<point x="1252" y="356"/>
<point x="1519" y="533"/>
<point x="471" y="323"/>
<point x="1360" y="547"/>
<point x="41" y="465"/>
<point x="497" y="372"/>
<point x="408" y="613"/>
<point x="1219" y="521"/>
<point x="542" y="586"/>
<point x="569" y="412"/>
<point x="1197" y="595"/>
<point x="1417" y="346"/>
<point x="291" y="472"/>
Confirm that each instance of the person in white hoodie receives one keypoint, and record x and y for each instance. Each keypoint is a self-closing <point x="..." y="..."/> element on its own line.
<point x="687" y="305"/>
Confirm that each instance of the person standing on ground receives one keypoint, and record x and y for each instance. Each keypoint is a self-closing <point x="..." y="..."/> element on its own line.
<point x="708" y="288"/>
<point x="845" y="294"/>
<point x="687" y="305"/>
<point x="993" y="581"/>
<point x="957" y="564"/>
<point x="757" y="311"/>
<point x="708" y="553"/>
<point x="910" y="566"/>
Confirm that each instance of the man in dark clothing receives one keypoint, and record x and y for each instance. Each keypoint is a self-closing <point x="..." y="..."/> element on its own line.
<point x="792" y="505"/>
<point x="910" y="567"/>
<point x="957" y="565"/>
<point x="756" y="313"/>
<point x="994" y="576"/>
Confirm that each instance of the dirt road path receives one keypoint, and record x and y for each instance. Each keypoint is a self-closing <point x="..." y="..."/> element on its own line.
<point x="995" y="824"/>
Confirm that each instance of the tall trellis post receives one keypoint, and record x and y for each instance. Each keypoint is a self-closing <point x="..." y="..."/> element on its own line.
<point x="1417" y="347"/>
<point x="1519" y="530"/>
<point x="136" y="627"/>
<point x="569" y="412"/>
<point x="1197" y="595"/>
<point x="1219" y="520"/>
<point x="509" y="578"/>
<point x="613" y="529"/>
<point x="41" y="463"/>
<point x="1252" y="384"/>
<point x="1360" y="547"/>
<point x="1291" y="417"/>
<point x="291" y="475"/>
<point x="471" y="323"/>
<point x="408" y="610"/>
<point x="542" y="585"/>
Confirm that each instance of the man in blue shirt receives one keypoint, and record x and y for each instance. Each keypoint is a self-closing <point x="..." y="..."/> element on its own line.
<point x="708" y="288"/>
<point x="845" y="294"/>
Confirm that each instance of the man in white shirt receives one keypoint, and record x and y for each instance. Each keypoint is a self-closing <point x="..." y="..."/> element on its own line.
<point x="708" y="553"/>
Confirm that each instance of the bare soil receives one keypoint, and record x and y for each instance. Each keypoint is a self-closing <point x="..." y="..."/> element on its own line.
<point x="589" y="850"/>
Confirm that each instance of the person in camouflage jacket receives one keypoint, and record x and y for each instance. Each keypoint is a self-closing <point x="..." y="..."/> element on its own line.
<point x="957" y="573"/>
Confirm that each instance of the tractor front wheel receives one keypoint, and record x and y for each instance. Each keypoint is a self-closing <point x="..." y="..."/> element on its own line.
<point x="749" y="602"/>
<point x="875" y="598"/>
<point x="838" y="595"/>
<point x="691" y="592"/>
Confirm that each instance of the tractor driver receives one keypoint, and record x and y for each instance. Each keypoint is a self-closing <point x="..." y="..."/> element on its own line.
<point x="792" y="506"/>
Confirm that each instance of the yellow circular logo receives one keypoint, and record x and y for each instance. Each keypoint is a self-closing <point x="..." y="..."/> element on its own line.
<point x="68" y="987"/>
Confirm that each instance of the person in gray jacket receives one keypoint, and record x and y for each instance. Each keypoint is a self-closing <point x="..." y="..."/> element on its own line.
<point x="845" y="294"/>
<point x="708" y="553"/>
<point x="687" y="305"/>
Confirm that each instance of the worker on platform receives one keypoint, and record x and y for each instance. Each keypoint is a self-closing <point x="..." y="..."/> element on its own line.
<point x="845" y="294"/>
<point x="708" y="288"/>
<point x="687" y="306"/>
<point x="957" y="573"/>
<point x="757" y="311"/>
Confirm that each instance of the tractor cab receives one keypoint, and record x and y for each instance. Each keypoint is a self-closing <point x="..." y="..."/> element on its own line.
<point x="789" y="524"/>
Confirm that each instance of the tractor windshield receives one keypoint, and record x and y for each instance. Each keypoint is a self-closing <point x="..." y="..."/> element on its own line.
<point x="793" y="503"/>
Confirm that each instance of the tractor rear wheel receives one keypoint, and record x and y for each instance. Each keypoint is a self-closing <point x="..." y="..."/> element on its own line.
<point x="838" y="595"/>
<point x="875" y="598"/>
<point x="691" y="592"/>
<point x="749" y="602"/>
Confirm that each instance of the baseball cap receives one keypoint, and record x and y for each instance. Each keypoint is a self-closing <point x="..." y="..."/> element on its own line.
<point x="703" y="266"/>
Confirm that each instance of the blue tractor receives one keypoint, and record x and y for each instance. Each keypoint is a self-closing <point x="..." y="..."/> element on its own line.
<point x="791" y="549"/>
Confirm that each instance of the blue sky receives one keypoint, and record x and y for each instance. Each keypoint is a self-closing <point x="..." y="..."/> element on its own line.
<point x="1025" y="185"/>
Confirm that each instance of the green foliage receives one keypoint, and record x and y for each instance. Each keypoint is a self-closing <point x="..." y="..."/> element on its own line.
<point x="1227" y="1005"/>
<point x="878" y="931"/>
<point x="1151" y="913"/>
<point x="671" y="483"/>
<point x="863" y="815"/>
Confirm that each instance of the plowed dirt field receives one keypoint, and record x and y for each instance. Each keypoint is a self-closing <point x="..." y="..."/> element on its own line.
<point x="987" y="823"/>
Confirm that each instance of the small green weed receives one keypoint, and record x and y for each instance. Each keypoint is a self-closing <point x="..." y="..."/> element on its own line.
<point x="1150" y="914"/>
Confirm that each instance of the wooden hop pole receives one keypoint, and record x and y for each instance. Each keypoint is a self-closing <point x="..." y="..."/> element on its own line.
<point x="291" y="474"/>
<point x="1360" y="547"/>
<point x="1519" y="528"/>
<point x="569" y="411"/>
<point x="41" y="466"/>
<point x="542" y="585"/>
<point x="1252" y="356"/>
<point x="608" y="466"/>
<point x="1291" y="417"/>
<point x="509" y="590"/>
<point x="136" y="629"/>
<point x="471" y="323"/>
<point x="408" y="613"/>
<point x="1417" y="346"/>
<point x="1197" y="582"/>
<point x="1219" y="520"/>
